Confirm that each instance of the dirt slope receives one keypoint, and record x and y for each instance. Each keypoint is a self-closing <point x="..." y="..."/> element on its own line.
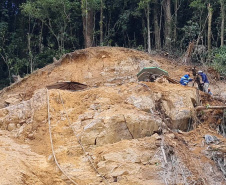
<point x="93" y="67"/>
<point x="132" y="132"/>
<point x="99" y="66"/>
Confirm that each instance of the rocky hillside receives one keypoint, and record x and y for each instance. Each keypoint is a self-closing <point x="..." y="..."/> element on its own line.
<point x="114" y="131"/>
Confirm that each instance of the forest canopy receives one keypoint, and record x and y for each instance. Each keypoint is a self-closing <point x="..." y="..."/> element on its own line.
<point x="32" y="32"/>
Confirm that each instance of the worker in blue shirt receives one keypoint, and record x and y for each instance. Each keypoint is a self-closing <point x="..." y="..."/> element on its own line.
<point x="185" y="79"/>
<point x="204" y="81"/>
<point x="210" y="92"/>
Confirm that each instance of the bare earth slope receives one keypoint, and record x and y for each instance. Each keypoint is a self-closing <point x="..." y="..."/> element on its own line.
<point x="117" y="131"/>
<point x="93" y="67"/>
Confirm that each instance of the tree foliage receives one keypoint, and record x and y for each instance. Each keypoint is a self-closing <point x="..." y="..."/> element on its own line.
<point x="219" y="59"/>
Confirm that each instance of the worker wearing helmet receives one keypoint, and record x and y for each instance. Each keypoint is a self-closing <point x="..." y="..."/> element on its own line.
<point x="209" y="92"/>
<point x="204" y="81"/>
<point x="185" y="79"/>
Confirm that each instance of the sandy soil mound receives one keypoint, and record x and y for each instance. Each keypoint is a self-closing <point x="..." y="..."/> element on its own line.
<point x="116" y="131"/>
<point x="92" y="66"/>
<point x="98" y="66"/>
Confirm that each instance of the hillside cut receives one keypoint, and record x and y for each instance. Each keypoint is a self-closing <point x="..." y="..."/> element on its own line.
<point x="105" y="127"/>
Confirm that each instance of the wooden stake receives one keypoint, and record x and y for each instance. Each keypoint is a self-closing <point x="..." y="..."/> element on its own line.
<point x="210" y="107"/>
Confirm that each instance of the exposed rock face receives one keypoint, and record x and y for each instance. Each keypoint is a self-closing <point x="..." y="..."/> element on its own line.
<point x="112" y="114"/>
<point x="110" y="127"/>
<point x="128" y="163"/>
<point x="113" y="126"/>
<point x="175" y="103"/>
<point x="12" y="101"/>
<point x="22" y="112"/>
<point x="178" y="106"/>
<point x="109" y="123"/>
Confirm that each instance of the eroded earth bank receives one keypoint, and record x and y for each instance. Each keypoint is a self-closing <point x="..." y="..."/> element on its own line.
<point x="115" y="130"/>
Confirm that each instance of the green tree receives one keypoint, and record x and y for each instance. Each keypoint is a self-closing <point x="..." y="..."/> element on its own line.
<point x="11" y="38"/>
<point x="168" y="23"/>
<point x="219" y="60"/>
<point x="145" y="4"/>
<point x="55" y="14"/>
<point x="222" y="2"/>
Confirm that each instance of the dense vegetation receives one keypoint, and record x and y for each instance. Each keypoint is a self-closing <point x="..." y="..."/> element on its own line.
<point x="32" y="32"/>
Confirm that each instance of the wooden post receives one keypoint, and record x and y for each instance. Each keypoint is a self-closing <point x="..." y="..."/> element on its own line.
<point x="209" y="107"/>
<point x="198" y="97"/>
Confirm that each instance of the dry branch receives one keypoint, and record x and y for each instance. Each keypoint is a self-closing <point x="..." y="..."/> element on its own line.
<point x="209" y="107"/>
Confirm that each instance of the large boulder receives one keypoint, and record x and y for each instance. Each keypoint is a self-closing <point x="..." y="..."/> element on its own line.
<point x="178" y="107"/>
<point x="175" y="103"/>
<point x="113" y="125"/>
<point x="23" y="112"/>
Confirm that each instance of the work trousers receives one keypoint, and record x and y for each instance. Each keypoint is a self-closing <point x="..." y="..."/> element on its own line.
<point x="205" y="87"/>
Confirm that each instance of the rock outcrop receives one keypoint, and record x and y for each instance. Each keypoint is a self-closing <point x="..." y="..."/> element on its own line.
<point x="116" y="131"/>
<point x="14" y="116"/>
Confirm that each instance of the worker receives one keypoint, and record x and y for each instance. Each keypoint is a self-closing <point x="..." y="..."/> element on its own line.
<point x="210" y="91"/>
<point x="197" y="79"/>
<point x="204" y="81"/>
<point x="185" y="79"/>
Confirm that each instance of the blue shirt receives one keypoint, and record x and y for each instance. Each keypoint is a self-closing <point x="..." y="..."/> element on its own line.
<point x="185" y="79"/>
<point x="204" y="78"/>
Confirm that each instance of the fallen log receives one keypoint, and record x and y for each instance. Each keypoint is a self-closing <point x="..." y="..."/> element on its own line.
<point x="219" y="99"/>
<point x="209" y="107"/>
<point x="171" y="80"/>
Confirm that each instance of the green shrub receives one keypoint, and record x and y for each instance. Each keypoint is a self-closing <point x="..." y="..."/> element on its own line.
<point x="219" y="60"/>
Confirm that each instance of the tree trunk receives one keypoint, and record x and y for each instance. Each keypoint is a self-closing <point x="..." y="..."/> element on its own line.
<point x="62" y="37"/>
<point x="40" y="38"/>
<point x="144" y="33"/>
<point x="101" y="23"/>
<point x="187" y="57"/>
<point x="9" y="72"/>
<point x="222" y="22"/>
<point x="210" y="13"/>
<point x="168" y="17"/>
<point x="156" y="27"/>
<point x="51" y="29"/>
<point x="29" y="46"/>
<point x="30" y="52"/>
<point x="175" y="22"/>
<point x="5" y="59"/>
<point x="148" y="27"/>
<point x="88" y="24"/>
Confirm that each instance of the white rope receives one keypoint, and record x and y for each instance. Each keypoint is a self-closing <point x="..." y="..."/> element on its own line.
<point x="51" y="140"/>
<point x="86" y="153"/>
<point x="162" y="138"/>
